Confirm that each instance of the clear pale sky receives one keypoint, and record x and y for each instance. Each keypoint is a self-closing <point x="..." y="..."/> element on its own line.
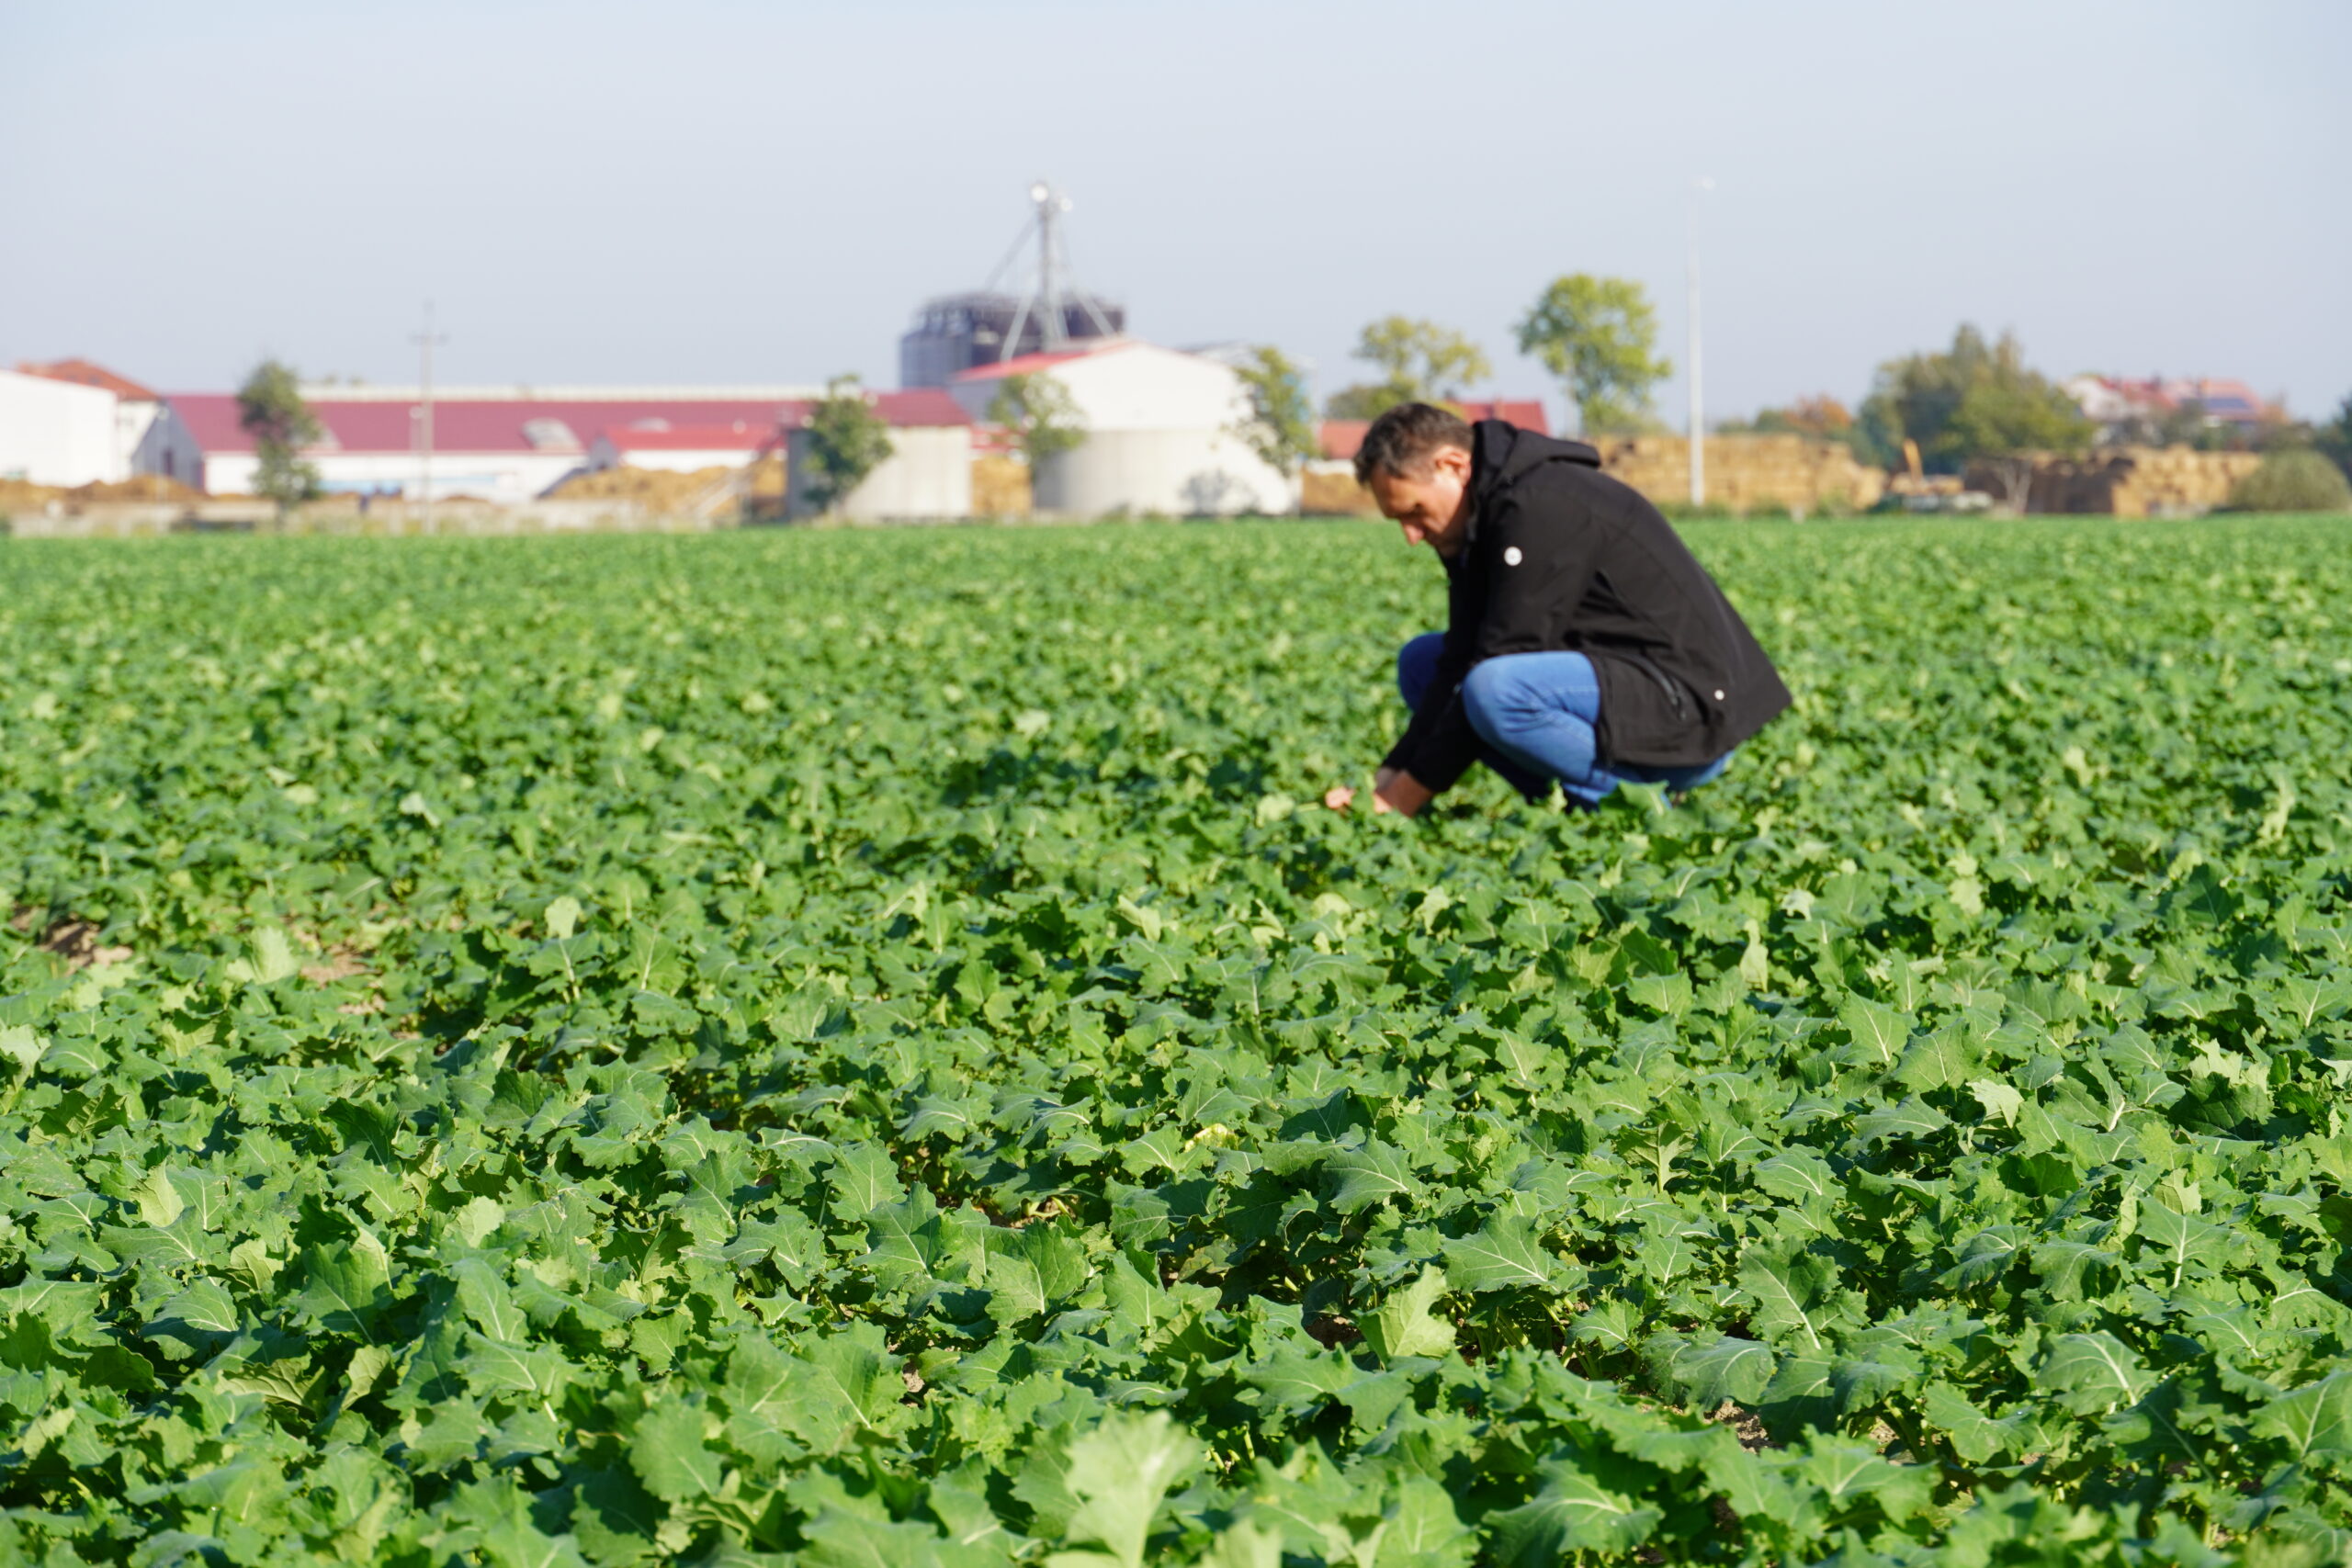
<point x="705" y="192"/>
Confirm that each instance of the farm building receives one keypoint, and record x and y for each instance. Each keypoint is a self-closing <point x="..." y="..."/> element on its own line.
<point x="681" y="448"/>
<point x="72" y="423"/>
<point x="959" y="332"/>
<point x="54" y="432"/>
<point x="927" y="474"/>
<point x="511" y="443"/>
<point x="1159" y="433"/>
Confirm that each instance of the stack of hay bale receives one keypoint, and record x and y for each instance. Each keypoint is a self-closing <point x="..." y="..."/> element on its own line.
<point x="2141" y="481"/>
<point x="1746" y="473"/>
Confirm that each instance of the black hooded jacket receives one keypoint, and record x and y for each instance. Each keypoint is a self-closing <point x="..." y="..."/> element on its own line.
<point x="1562" y="557"/>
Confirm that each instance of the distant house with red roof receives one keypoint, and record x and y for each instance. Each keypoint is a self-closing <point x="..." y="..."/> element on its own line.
<point x="1343" y="438"/>
<point x="2124" y="408"/>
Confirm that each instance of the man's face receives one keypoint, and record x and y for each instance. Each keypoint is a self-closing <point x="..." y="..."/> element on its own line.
<point x="1432" y="505"/>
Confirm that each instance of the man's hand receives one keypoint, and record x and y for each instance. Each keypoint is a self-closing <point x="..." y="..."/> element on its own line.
<point x="1392" y="790"/>
<point x="1399" y="792"/>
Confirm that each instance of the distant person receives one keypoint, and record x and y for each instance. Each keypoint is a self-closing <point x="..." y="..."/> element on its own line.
<point x="1584" y="646"/>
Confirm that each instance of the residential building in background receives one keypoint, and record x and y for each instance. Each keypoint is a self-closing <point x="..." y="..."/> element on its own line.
<point x="1341" y="438"/>
<point x="2126" y="410"/>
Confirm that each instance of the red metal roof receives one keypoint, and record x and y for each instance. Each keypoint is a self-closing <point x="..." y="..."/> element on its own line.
<point x="83" y="373"/>
<point x="1341" y="438"/>
<point x="496" y="425"/>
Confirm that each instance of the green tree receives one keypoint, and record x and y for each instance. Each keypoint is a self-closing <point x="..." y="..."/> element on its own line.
<point x="1818" y="418"/>
<point x="1420" y="362"/>
<point x="2296" y="479"/>
<point x="2334" y="437"/>
<point x="1039" y="411"/>
<point x="1280" y="427"/>
<point x="271" y="409"/>
<point x="1598" y="335"/>
<point x="847" y="441"/>
<point x="1914" y="398"/>
<point x="1976" y="400"/>
<point x="2010" y="423"/>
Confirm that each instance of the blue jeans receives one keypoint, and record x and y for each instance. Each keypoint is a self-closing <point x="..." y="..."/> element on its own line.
<point x="1536" y="713"/>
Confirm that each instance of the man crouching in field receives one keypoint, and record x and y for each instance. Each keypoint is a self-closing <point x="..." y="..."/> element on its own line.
<point x="1583" y="644"/>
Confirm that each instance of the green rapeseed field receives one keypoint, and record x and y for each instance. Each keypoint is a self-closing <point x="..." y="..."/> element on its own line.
<point x="859" y="1048"/>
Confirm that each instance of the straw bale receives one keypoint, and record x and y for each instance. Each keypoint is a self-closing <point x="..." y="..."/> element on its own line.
<point x="1000" y="487"/>
<point x="1325" y="494"/>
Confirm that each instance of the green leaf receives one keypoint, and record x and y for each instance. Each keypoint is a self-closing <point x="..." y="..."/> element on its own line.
<point x="1370" y="1174"/>
<point x="2093" y="1373"/>
<point x="1572" y="1511"/>
<point x="1506" y="1253"/>
<point x="1404" y="1326"/>
<point x="1797" y="1174"/>
<point x="667" y="1451"/>
<point x="1713" y="1368"/>
<point x="1790" y="1290"/>
<point x="863" y="1178"/>
<point x="843" y="1386"/>
<point x="345" y="1288"/>
<point x="2313" y="1420"/>
<point x="1301" y="1381"/>
<point x="1119" y="1473"/>
<point x="1975" y="1437"/>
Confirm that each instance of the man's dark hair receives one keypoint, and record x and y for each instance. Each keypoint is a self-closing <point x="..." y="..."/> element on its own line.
<point x="1402" y="440"/>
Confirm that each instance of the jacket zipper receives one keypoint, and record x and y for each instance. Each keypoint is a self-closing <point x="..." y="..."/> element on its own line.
<point x="1673" y="691"/>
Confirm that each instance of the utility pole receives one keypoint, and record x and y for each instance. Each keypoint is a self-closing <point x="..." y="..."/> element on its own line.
<point x="424" y="341"/>
<point x="1697" y="381"/>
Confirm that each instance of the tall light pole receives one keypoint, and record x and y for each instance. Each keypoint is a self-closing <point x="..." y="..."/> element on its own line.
<point x="424" y="341"/>
<point x="1698" y="379"/>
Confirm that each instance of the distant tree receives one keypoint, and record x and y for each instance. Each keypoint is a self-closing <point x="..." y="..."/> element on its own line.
<point x="2010" y="423"/>
<point x="1914" y="397"/>
<point x="1041" y="414"/>
<point x="847" y="441"/>
<point x="1280" y="427"/>
<point x="2334" y="437"/>
<point x="1598" y="335"/>
<point x="1819" y="418"/>
<point x="271" y="409"/>
<point x="2300" y="479"/>
<point x="1977" y="400"/>
<point x="1420" y="362"/>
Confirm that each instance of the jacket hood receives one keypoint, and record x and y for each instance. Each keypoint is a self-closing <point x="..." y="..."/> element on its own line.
<point x="1501" y="452"/>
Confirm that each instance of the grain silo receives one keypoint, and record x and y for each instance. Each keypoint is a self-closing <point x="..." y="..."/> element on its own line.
<point x="959" y="332"/>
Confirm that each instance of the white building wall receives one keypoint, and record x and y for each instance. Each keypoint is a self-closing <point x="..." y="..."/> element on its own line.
<point x="1160" y="438"/>
<point x="670" y="461"/>
<point x="495" y="476"/>
<point x="1177" y="473"/>
<point x="927" y="474"/>
<point x="59" y="433"/>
